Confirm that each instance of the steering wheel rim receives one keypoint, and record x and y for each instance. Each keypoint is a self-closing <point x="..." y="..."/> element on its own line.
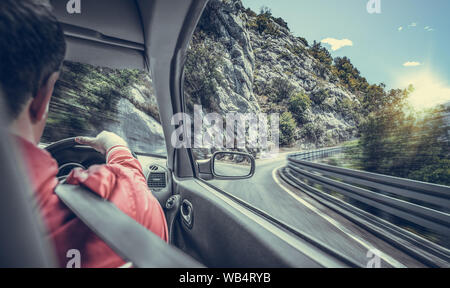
<point x="62" y="144"/>
<point x="56" y="149"/>
<point x="68" y="143"/>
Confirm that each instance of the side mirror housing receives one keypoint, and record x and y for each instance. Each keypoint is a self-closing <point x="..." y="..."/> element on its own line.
<point x="225" y="165"/>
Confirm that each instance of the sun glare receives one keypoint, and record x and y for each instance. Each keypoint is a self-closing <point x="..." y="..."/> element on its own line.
<point x="429" y="89"/>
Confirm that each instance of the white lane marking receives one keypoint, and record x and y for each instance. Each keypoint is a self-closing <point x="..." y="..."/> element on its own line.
<point x="382" y="255"/>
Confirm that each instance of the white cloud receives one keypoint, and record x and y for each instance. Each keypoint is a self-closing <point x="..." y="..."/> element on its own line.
<point x="412" y="64"/>
<point x="428" y="28"/>
<point x="400" y="28"/>
<point x="414" y="24"/>
<point x="337" y="44"/>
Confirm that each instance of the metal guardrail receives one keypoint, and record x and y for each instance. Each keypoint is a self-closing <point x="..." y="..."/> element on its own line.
<point x="317" y="154"/>
<point x="421" y="205"/>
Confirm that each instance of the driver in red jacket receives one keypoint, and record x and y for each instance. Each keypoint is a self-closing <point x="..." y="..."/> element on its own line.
<point x="32" y="49"/>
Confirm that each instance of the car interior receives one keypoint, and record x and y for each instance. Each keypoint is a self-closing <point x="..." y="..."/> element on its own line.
<point x="208" y="227"/>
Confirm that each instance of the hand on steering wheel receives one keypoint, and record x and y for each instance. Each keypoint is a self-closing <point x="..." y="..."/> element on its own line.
<point x="83" y="151"/>
<point x="104" y="141"/>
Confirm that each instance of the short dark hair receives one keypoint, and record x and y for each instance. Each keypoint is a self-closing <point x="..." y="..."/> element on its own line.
<point x="32" y="47"/>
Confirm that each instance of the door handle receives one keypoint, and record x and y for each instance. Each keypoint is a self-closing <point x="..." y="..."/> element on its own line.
<point x="187" y="213"/>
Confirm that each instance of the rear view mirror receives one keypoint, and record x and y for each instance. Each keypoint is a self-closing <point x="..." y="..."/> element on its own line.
<point x="232" y="165"/>
<point x="227" y="166"/>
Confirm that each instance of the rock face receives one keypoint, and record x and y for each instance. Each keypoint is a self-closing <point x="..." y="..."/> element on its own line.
<point x="232" y="41"/>
<point x="90" y="99"/>
<point x="252" y="59"/>
<point x="141" y="131"/>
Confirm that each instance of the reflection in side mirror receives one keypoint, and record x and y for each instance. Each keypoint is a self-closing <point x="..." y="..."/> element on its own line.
<point x="232" y="165"/>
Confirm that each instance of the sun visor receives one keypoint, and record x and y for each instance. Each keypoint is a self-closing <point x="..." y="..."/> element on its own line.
<point x="107" y="33"/>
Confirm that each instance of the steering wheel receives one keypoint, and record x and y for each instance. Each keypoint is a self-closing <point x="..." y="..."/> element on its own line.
<point x="69" y="155"/>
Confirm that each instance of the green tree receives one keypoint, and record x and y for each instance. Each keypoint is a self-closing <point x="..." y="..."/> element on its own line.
<point x="265" y="24"/>
<point x="431" y="143"/>
<point x="349" y="75"/>
<point x="304" y="41"/>
<point x="280" y="21"/>
<point x="348" y="109"/>
<point x="202" y="75"/>
<point x="287" y="129"/>
<point x="319" y="96"/>
<point x="298" y="104"/>
<point x="321" y="54"/>
<point x="313" y="131"/>
<point x="264" y="10"/>
<point x="397" y="141"/>
<point x="384" y="134"/>
<point x="281" y="89"/>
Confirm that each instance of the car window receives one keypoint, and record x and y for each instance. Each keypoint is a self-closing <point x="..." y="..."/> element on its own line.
<point x="388" y="116"/>
<point x="89" y="99"/>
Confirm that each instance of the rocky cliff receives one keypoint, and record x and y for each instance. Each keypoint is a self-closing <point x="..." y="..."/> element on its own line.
<point x="88" y="99"/>
<point x="257" y="63"/>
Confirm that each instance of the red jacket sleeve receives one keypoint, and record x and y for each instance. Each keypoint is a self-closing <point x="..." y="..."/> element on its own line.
<point x="122" y="182"/>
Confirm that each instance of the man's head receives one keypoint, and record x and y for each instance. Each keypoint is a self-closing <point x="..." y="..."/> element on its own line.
<point x="32" y="49"/>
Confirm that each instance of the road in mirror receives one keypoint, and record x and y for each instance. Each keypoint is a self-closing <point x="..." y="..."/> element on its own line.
<point x="227" y="164"/>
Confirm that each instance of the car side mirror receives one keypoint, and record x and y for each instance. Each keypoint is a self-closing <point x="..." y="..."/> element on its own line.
<point x="227" y="166"/>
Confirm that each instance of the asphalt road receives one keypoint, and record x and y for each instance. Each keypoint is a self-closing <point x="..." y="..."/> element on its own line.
<point x="266" y="192"/>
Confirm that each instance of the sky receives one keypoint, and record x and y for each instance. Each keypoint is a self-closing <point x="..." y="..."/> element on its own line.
<point x="406" y="43"/>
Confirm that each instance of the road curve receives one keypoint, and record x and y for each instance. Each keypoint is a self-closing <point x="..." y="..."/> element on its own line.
<point x="265" y="192"/>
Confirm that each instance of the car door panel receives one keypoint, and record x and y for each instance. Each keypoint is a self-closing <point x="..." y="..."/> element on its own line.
<point x="226" y="234"/>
